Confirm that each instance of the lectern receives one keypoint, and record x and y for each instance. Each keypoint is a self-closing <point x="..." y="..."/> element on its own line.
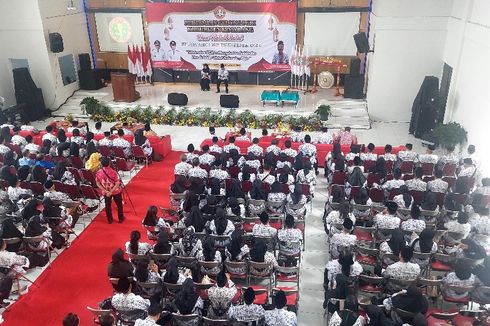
<point x="123" y="87"/>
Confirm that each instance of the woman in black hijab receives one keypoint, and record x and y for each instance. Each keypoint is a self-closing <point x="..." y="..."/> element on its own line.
<point x="172" y="274"/>
<point x="412" y="301"/>
<point x="430" y="202"/>
<point x="191" y="199"/>
<point x="74" y="149"/>
<point x="46" y="147"/>
<point x="119" y="267"/>
<point x="257" y="192"/>
<point x="180" y="184"/>
<point x="163" y="245"/>
<point x="379" y="167"/>
<point x="377" y="317"/>
<point x="298" y="162"/>
<point x="9" y="230"/>
<point x="187" y="301"/>
<point x="195" y="219"/>
<point x="210" y="206"/>
<point x="215" y="188"/>
<point x="235" y="190"/>
<point x="39" y="174"/>
<point x="23" y="172"/>
<point x="30" y="209"/>
<point x="395" y="244"/>
<point x="205" y="77"/>
<point x="9" y="159"/>
<point x="349" y="315"/>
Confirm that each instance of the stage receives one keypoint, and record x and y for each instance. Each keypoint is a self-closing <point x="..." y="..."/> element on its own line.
<point x="344" y="112"/>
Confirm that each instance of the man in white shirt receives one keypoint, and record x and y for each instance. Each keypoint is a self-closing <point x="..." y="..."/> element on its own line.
<point x="280" y="316"/>
<point x="173" y="54"/>
<point x="231" y="145"/>
<point x="255" y="149"/>
<point x="408" y="154"/>
<point x="121" y="142"/>
<point x="183" y="167"/>
<point x="125" y="301"/>
<point x="403" y="270"/>
<point x="154" y="312"/>
<point x="49" y="135"/>
<point x="33" y="148"/>
<point x="98" y="128"/>
<point x="157" y="54"/>
<point x="215" y="148"/>
<point x="18" y="139"/>
<point x="325" y="137"/>
<point x="429" y="156"/>
<point x="106" y="141"/>
<point x="273" y="148"/>
<point x="222" y="78"/>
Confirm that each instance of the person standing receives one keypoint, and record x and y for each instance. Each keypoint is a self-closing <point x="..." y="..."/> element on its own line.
<point x="205" y="77"/>
<point x="157" y="54"/>
<point x="222" y="78"/>
<point x="173" y="54"/>
<point x="109" y="182"/>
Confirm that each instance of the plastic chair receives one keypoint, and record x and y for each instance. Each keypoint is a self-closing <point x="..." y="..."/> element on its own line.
<point x="428" y="168"/>
<point x="37" y="188"/>
<point x="97" y="313"/>
<point x="76" y="162"/>
<point x="140" y="155"/>
<point x="232" y="266"/>
<point x="260" y="270"/>
<point x="192" y="319"/>
<point x="105" y="151"/>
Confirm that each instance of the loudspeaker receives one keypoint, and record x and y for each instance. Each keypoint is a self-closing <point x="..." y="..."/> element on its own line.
<point x="354" y="86"/>
<point x="27" y="93"/>
<point x="229" y="101"/>
<point x="362" y="42"/>
<point x="425" y="108"/>
<point x="179" y="99"/>
<point x="56" y="42"/>
<point x="355" y="66"/>
<point x="84" y="59"/>
<point x="90" y="79"/>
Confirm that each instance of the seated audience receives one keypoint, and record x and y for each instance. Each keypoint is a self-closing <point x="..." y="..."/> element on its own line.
<point x="279" y="316"/>
<point x="187" y="301"/>
<point x="221" y="296"/>
<point x="134" y="246"/>
<point x="403" y="269"/>
<point x="248" y="311"/>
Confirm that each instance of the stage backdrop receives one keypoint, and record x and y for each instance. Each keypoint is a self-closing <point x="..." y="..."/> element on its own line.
<point x="243" y="36"/>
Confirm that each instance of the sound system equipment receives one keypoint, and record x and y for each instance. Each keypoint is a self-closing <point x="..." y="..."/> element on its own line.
<point x="354" y="86"/>
<point x="229" y="101"/>
<point x="84" y="59"/>
<point x="355" y="66"/>
<point x="90" y="79"/>
<point x="179" y="99"/>
<point x="28" y="94"/>
<point x="362" y="42"/>
<point x="56" y="42"/>
<point x="181" y="76"/>
<point x="425" y="107"/>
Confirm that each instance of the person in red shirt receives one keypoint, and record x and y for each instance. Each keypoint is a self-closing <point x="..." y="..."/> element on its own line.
<point x="109" y="182"/>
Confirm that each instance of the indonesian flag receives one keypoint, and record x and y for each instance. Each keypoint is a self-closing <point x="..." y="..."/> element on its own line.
<point x="130" y="60"/>
<point x="147" y="61"/>
<point x="307" y="63"/>
<point x="135" y="60"/>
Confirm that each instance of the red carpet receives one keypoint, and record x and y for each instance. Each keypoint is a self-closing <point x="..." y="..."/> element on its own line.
<point x="78" y="278"/>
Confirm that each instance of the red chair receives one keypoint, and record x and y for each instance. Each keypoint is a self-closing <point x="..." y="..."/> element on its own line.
<point x="440" y="198"/>
<point x="58" y="186"/>
<point x="88" y="176"/>
<point x="449" y="170"/>
<point x="450" y="181"/>
<point x="389" y="165"/>
<point x="305" y="190"/>
<point x="266" y="187"/>
<point x="14" y="148"/>
<point x="140" y="155"/>
<point x="407" y="167"/>
<point x="105" y="151"/>
<point x="393" y="193"/>
<point x="338" y="178"/>
<point x="89" y="192"/>
<point x="418" y="196"/>
<point x="373" y="178"/>
<point x="428" y="168"/>
<point x="124" y="165"/>
<point x="285" y="188"/>
<point x="77" y="162"/>
<point x="246" y="186"/>
<point x="76" y="173"/>
<point x="427" y="178"/>
<point x="368" y="165"/>
<point x="234" y="171"/>
<point x="119" y="152"/>
<point x="37" y="188"/>
<point x="354" y="191"/>
<point x="377" y="195"/>
<point x="461" y="199"/>
<point x="408" y="176"/>
<point x="72" y="191"/>
<point x="24" y="185"/>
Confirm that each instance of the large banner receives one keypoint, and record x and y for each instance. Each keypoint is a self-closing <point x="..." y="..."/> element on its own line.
<point x="243" y="36"/>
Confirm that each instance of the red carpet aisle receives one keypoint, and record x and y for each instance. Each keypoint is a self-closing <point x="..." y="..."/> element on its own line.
<point x="78" y="278"/>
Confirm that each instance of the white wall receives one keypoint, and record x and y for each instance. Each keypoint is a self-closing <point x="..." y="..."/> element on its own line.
<point x="21" y="36"/>
<point x="467" y="51"/>
<point x="24" y="29"/>
<point x="408" y="37"/>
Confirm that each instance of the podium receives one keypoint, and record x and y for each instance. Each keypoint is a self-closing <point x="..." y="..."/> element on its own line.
<point x="123" y="87"/>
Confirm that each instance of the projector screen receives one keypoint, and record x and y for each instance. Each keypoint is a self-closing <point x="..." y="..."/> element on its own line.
<point x="331" y="33"/>
<point x="116" y="30"/>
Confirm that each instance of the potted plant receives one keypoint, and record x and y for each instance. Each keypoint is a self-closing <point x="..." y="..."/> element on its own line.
<point x="90" y="105"/>
<point x="323" y="111"/>
<point x="450" y="134"/>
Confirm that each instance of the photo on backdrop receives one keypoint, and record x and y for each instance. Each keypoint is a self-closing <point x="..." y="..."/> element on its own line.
<point x="252" y="36"/>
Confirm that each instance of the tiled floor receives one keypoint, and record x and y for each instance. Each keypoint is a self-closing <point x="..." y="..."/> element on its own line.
<point x="315" y="256"/>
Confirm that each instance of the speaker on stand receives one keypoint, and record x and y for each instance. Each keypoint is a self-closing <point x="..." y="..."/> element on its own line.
<point x="28" y="94"/>
<point x="84" y="59"/>
<point x="56" y="42"/>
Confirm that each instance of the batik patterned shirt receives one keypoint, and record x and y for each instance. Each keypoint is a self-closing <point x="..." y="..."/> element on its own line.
<point x="229" y="147"/>
<point x="121" y="142"/>
<point x="325" y="138"/>
<point x="256" y="150"/>
<point x="274" y="149"/>
<point x="182" y="168"/>
<point x="402" y="271"/>
<point x="341" y="240"/>
<point x="407" y="156"/>
<point x="369" y="156"/>
<point x="290" y="241"/>
<point x="428" y="158"/>
<point x="416" y="184"/>
<point x="215" y="149"/>
<point x="247" y="312"/>
<point x="129" y="302"/>
<point x="437" y="185"/>
<point x="290" y="152"/>
<point x="386" y="221"/>
<point x="261" y="230"/>
<point x="207" y="159"/>
<point x="197" y="172"/>
<point x="280" y="317"/>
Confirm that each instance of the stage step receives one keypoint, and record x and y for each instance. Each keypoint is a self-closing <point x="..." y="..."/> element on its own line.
<point x="347" y="113"/>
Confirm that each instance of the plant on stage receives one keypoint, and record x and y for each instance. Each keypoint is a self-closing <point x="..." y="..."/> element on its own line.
<point x="451" y="133"/>
<point x="323" y="111"/>
<point x="90" y="105"/>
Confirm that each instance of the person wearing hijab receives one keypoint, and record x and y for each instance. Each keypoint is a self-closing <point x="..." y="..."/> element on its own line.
<point x="210" y="254"/>
<point x="172" y="274"/>
<point x="344" y="265"/>
<point x="424" y="244"/>
<point x="257" y="193"/>
<point x="197" y="185"/>
<point x="39" y="174"/>
<point x="468" y="248"/>
<point x="210" y="206"/>
<point x="61" y="174"/>
<point x="215" y="188"/>
<point x="234" y="208"/>
<point x="6" y="205"/>
<point x="414" y="223"/>
<point x="9" y="230"/>
<point x="237" y="251"/>
<point x="179" y="186"/>
<point x="356" y="178"/>
<point x="163" y="245"/>
<point x="411" y="300"/>
<point x="349" y="316"/>
<point x="10" y="159"/>
<point x="379" y="168"/>
<point x="221" y="226"/>
<point x="430" y="202"/>
<point x="296" y="198"/>
<point x="147" y="272"/>
<point x="14" y="263"/>
<point x="235" y="190"/>
<point x="344" y="239"/>
<point x="47" y="148"/>
<point x="58" y="217"/>
<point x="362" y="198"/>
<point x="205" y="77"/>
<point x="143" y="142"/>
<point x="393" y="245"/>
<point x="187" y="301"/>
<point x="23" y="172"/>
<point x="482" y="272"/>
<point x="462" y="276"/>
<point x="259" y="253"/>
<point x="337" y="195"/>
<point x="404" y="199"/>
<point x="195" y="219"/>
<point x="460" y="226"/>
<point x="93" y="162"/>
<point x="36" y="228"/>
<point x="189" y="245"/>
<point x="332" y="158"/>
